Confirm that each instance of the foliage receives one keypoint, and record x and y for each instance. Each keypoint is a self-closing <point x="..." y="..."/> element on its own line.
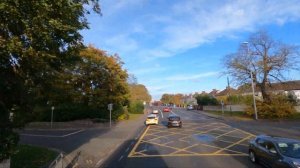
<point x="136" y="107"/>
<point x="279" y="107"/>
<point x="206" y="99"/>
<point x="31" y="156"/>
<point x="171" y="98"/>
<point x="139" y="92"/>
<point x="85" y="88"/>
<point x="266" y="59"/>
<point x="238" y="99"/>
<point x="37" y="38"/>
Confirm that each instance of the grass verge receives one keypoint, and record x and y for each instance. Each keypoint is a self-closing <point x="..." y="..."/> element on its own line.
<point x="134" y="116"/>
<point x="29" y="156"/>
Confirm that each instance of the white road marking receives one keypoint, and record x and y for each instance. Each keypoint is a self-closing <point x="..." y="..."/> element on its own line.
<point x="120" y="158"/>
<point x="98" y="163"/>
<point x="73" y="133"/>
<point x="127" y="149"/>
<point x="53" y="136"/>
<point x="162" y="116"/>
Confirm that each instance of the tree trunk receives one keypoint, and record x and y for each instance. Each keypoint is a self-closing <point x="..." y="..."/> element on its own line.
<point x="265" y="95"/>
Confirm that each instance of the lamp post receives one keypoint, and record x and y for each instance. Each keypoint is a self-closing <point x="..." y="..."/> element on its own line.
<point x="252" y="85"/>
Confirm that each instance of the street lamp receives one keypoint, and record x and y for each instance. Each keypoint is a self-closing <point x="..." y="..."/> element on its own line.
<point x="252" y="84"/>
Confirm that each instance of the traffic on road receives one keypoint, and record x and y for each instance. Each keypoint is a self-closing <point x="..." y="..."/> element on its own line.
<point x="197" y="140"/>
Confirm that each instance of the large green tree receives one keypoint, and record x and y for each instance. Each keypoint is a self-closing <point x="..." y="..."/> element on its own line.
<point x="36" y="39"/>
<point x="139" y="92"/>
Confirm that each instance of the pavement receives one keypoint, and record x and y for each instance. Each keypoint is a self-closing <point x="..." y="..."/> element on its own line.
<point x="83" y="145"/>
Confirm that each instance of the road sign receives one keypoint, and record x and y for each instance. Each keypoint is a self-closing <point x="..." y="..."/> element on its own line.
<point x="110" y="106"/>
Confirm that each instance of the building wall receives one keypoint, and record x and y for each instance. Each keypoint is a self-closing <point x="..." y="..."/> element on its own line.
<point x="232" y="108"/>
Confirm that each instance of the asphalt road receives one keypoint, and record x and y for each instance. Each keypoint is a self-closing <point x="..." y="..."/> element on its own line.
<point x="201" y="142"/>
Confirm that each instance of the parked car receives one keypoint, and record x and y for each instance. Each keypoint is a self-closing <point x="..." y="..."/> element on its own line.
<point x="151" y="119"/>
<point x="275" y="152"/>
<point x="166" y="109"/>
<point x="174" y="121"/>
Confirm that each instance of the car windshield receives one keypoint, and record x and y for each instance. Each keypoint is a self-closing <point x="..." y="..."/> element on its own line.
<point x="289" y="149"/>
<point x="174" y="118"/>
<point x="151" y="117"/>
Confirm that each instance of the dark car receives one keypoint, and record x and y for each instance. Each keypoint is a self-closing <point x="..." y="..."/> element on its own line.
<point x="174" y="121"/>
<point x="275" y="152"/>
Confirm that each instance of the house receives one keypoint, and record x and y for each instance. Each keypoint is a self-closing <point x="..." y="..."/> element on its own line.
<point x="288" y="87"/>
<point x="226" y="92"/>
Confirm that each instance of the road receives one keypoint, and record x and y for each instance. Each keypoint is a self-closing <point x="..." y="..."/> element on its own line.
<point x="201" y="142"/>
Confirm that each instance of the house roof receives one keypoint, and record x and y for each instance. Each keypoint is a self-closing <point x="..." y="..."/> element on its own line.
<point x="214" y="92"/>
<point x="227" y="91"/>
<point x="283" y="86"/>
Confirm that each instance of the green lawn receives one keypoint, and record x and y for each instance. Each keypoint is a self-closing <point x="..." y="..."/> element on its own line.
<point x="134" y="116"/>
<point x="32" y="156"/>
<point x="240" y="114"/>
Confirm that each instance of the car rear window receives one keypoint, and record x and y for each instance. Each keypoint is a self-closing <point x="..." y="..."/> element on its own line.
<point x="151" y="117"/>
<point x="174" y="118"/>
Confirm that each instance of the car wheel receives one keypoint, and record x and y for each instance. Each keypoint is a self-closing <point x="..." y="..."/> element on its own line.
<point x="252" y="156"/>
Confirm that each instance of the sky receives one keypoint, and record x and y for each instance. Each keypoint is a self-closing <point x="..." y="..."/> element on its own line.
<point x="177" y="46"/>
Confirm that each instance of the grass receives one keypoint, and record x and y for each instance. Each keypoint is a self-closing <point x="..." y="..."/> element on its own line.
<point x="295" y="116"/>
<point x="228" y="113"/>
<point x="240" y="114"/>
<point x="134" y="116"/>
<point x="29" y="156"/>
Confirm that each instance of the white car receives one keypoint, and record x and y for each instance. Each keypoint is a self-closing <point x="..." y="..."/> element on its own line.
<point x="151" y="119"/>
<point x="155" y="112"/>
<point x="190" y="107"/>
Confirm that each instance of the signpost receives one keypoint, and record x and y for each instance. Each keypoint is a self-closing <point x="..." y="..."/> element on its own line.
<point x="52" y="108"/>
<point x="110" y="107"/>
<point x="222" y="103"/>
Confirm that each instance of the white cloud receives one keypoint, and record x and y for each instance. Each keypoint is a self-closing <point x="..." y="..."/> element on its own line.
<point x="188" y="24"/>
<point x="143" y="71"/>
<point x="191" y="77"/>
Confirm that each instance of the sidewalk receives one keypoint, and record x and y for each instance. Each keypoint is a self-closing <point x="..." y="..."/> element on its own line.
<point x="98" y="149"/>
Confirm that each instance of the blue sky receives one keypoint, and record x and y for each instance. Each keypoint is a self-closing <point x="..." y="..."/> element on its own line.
<point x="176" y="46"/>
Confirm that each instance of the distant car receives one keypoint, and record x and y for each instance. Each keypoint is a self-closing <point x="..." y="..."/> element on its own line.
<point x="155" y="112"/>
<point x="174" y="121"/>
<point x="166" y="109"/>
<point x="152" y="119"/>
<point x="275" y="152"/>
<point x="190" y="107"/>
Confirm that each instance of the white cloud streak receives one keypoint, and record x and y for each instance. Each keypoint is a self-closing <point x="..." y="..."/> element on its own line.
<point x="191" y="77"/>
<point x="188" y="24"/>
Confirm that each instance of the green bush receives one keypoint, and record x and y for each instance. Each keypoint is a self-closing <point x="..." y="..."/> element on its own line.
<point x="206" y="100"/>
<point x="279" y="107"/>
<point x="136" y="107"/>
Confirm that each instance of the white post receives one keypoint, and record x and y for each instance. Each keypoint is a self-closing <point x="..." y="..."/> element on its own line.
<point x="252" y="83"/>
<point x="52" y="108"/>
<point x="254" y="103"/>
<point x="109" y="118"/>
<point x="222" y="103"/>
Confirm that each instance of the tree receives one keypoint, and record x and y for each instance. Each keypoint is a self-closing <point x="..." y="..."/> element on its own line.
<point x="139" y="92"/>
<point x="265" y="58"/>
<point x="36" y="39"/>
<point x="205" y="99"/>
<point x="171" y="98"/>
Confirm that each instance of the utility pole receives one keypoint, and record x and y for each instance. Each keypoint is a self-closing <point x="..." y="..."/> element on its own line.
<point x="252" y="84"/>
